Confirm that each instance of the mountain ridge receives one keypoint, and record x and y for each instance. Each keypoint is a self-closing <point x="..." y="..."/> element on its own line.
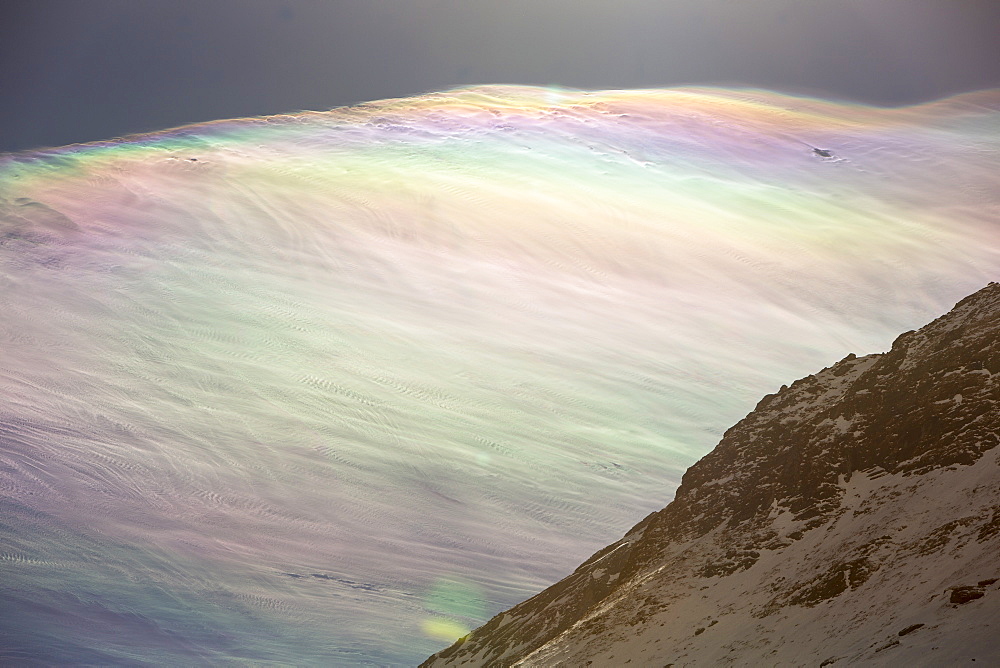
<point x="858" y="440"/>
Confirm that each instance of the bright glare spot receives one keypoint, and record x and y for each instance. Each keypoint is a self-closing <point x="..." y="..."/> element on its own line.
<point x="443" y="629"/>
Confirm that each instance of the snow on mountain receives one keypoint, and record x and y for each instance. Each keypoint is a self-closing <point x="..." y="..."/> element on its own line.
<point x="851" y="518"/>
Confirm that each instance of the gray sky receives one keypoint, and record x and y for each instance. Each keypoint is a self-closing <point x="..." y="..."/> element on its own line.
<point x="84" y="70"/>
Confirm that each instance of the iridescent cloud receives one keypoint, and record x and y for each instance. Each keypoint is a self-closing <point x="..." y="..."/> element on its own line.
<point x="331" y="388"/>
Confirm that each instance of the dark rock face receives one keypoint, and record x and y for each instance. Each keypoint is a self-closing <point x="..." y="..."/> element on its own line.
<point x="929" y="405"/>
<point x="909" y="629"/>
<point x="960" y="595"/>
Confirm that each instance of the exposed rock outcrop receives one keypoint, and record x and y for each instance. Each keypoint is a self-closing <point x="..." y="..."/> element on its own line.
<point x="856" y="502"/>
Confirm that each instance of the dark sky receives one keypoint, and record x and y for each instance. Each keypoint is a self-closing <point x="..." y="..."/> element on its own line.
<point x="83" y="70"/>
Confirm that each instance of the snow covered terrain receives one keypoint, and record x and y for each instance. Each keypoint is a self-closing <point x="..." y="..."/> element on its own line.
<point x="852" y="518"/>
<point x="335" y="388"/>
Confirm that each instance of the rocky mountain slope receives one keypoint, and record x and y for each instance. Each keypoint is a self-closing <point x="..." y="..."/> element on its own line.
<point x="851" y="518"/>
